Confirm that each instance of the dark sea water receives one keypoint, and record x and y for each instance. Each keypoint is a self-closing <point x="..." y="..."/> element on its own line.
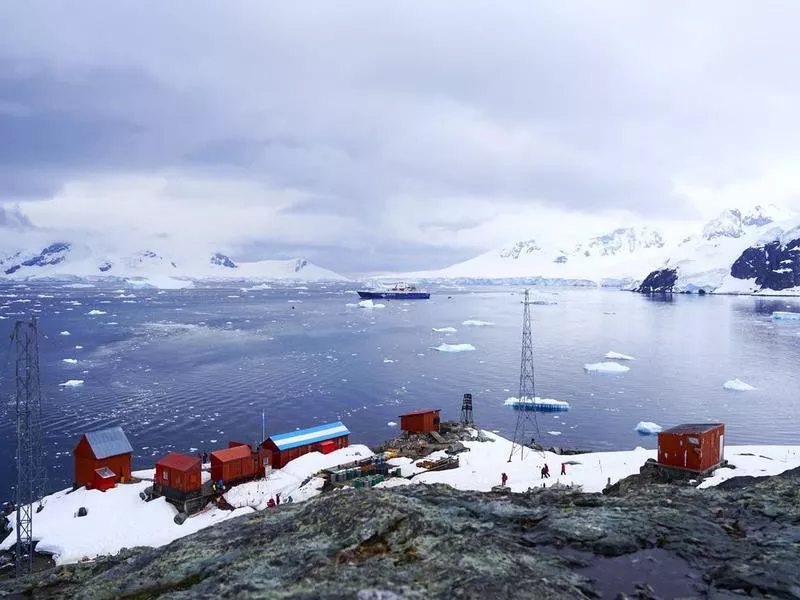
<point x="192" y="369"/>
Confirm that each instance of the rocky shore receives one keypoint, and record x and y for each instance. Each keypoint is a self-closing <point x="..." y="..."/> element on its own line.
<point x="646" y="541"/>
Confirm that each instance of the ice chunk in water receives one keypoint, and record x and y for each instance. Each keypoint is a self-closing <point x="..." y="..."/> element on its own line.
<point x="454" y="348"/>
<point x="96" y="312"/>
<point x="476" y="323"/>
<point x="780" y="315"/>
<point x="370" y="304"/>
<point x="606" y="367"/>
<point x="65" y="333"/>
<point x="618" y="356"/>
<point x="648" y="428"/>
<point x="392" y="424"/>
<point x="444" y="329"/>
<point x="70" y="361"/>
<point x="537" y="404"/>
<point x="737" y="385"/>
<point x="72" y="383"/>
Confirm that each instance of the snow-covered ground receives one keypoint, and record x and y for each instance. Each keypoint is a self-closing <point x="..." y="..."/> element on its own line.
<point x="480" y="468"/>
<point x="119" y="519"/>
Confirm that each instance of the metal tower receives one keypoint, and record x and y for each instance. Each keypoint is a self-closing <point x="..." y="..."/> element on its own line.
<point x="526" y="419"/>
<point x="466" y="410"/>
<point x="30" y="467"/>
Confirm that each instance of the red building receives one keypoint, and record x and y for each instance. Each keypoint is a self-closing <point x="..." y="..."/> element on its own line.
<point x="238" y="463"/>
<point x="103" y="448"/>
<point x="177" y="475"/>
<point x="323" y="438"/>
<point x="420" y="421"/>
<point x="104" y="479"/>
<point x="693" y="446"/>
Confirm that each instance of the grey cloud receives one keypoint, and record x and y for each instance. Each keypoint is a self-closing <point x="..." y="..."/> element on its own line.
<point x="589" y="107"/>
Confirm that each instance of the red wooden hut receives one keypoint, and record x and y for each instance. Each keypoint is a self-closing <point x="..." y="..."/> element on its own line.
<point x="322" y="438"/>
<point x="104" y="479"/>
<point x="177" y="475"/>
<point x="102" y="448"/>
<point x="692" y="446"/>
<point x="238" y="463"/>
<point x="420" y="421"/>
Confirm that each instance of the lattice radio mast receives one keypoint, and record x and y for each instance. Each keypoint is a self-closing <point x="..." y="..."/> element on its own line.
<point x="466" y="410"/>
<point x="30" y="467"/>
<point x="526" y="419"/>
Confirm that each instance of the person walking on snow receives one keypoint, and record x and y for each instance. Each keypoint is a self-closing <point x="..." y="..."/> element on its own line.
<point x="546" y="471"/>
<point x="504" y="478"/>
<point x="563" y="468"/>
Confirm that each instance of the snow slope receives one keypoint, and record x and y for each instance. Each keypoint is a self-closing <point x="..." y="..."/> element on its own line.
<point x="69" y="260"/>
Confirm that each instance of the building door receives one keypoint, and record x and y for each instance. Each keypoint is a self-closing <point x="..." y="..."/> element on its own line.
<point x="721" y="447"/>
<point x="686" y="458"/>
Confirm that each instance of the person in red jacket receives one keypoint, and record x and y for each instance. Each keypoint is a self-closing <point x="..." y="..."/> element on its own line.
<point x="563" y="468"/>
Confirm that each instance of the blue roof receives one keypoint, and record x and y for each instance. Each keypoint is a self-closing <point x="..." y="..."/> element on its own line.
<point x="312" y="435"/>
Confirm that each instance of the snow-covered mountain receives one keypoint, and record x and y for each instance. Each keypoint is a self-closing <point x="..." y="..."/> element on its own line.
<point x="625" y="256"/>
<point x="75" y="260"/>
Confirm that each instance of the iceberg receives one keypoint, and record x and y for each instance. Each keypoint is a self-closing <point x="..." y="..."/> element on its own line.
<point x="554" y="432"/>
<point x="781" y="315"/>
<point x="606" y="367"/>
<point x="537" y="404"/>
<point x="65" y="333"/>
<point x="370" y="304"/>
<point x="388" y="360"/>
<point x="96" y="312"/>
<point x="392" y="424"/>
<point x="453" y="348"/>
<point x="445" y="329"/>
<point x="618" y="356"/>
<point x="737" y="385"/>
<point x="70" y="361"/>
<point x="476" y="323"/>
<point x="72" y="383"/>
<point x="648" y="428"/>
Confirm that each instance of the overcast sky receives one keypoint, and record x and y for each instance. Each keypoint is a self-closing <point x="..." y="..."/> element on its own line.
<point x="406" y="135"/>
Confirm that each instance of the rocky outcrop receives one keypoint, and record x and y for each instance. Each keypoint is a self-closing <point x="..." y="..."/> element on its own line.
<point x="436" y="542"/>
<point x="661" y="281"/>
<point x="774" y="266"/>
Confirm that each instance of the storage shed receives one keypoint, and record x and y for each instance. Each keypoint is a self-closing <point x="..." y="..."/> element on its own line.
<point x="238" y="463"/>
<point x="104" y="479"/>
<point x="177" y="475"/>
<point x="692" y="446"/>
<point x="323" y="438"/>
<point x="420" y="421"/>
<point x="102" y="448"/>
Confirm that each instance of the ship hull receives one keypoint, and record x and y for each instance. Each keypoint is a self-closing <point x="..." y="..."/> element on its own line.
<point x="394" y="295"/>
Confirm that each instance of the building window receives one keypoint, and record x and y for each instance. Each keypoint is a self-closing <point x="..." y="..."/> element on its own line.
<point x="694" y="440"/>
<point x="165" y="475"/>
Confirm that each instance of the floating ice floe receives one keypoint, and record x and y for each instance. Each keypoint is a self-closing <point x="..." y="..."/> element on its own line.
<point x="453" y="348"/>
<point x="70" y="361"/>
<point x="476" y="323"/>
<point x="554" y="433"/>
<point x="780" y="315"/>
<point x="78" y="347"/>
<point x="618" y="356"/>
<point x="606" y="367"/>
<point x="537" y="404"/>
<point x="65" y="333"/>
<point x="72" y="383"/>
<point x="444" y="329"/>
<point x="392" y="424"/>
<point x="96" y="312"/>
<point x="737" y="385"/>
<point x="648" y="428"/>
<point x="388" y="360"/>
<point x="370" y="304"/>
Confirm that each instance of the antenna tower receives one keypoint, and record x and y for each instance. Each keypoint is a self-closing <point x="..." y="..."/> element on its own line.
<point x="466" y="410"/>
<point x="30" y="467"/>
<point x="526" y="419"/>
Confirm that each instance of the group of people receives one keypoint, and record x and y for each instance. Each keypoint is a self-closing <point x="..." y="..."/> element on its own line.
<point x="218" y="486"/>
<point x="273" y="502"/>
<point x="545" y="473"/>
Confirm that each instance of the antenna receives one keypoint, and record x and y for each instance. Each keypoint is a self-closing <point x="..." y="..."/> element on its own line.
<point x="466" y="410"/>
<point x="30" y="467"/>
<point x="526" y="416"/>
